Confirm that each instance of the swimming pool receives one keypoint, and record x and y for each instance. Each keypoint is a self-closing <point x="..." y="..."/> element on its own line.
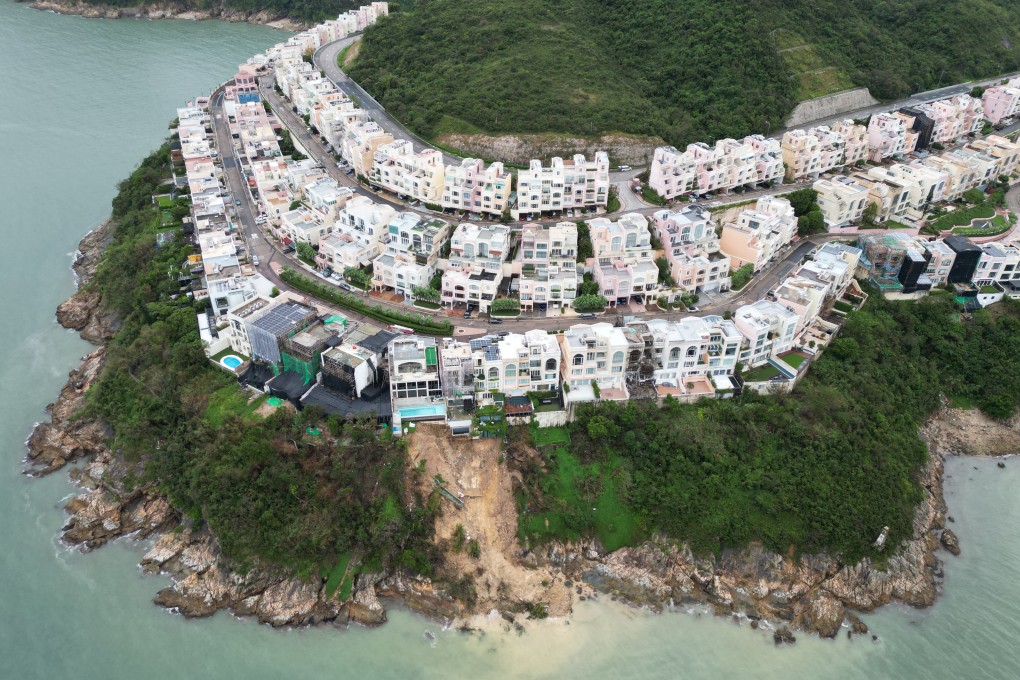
<point x="232" y="361"/>
<point x="422" y="411"/>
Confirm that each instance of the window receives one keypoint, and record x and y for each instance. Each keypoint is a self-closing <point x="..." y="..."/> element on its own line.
<point x="550" y="364"/>
<point x="493" y="373"/>
<point x="618" y="357"/>
<point x="578" y="359"/>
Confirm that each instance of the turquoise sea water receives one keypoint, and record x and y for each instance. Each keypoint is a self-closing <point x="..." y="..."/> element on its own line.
<point x="83" y="102"/>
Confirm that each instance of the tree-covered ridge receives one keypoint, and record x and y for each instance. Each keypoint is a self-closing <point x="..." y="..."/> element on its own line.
<point x="686" y="71"/>
<point x="824" y="468"/>
<point x="273" y="491"/>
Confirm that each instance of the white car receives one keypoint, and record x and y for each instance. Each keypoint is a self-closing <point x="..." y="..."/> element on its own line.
<point x="255" y="260"/>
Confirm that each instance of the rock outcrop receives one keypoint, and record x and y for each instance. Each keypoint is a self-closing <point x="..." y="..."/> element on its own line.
<point x="67" y="437"/>
<point x="950" y="542"/>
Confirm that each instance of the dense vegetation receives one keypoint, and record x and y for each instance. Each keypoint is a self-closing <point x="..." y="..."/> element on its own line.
<point x="686" y="71"/>
<point x="826" y="467"/>
<point x="301" y="491"/>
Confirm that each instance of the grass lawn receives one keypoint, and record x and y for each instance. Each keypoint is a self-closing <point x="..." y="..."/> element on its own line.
<point x="963" y="217"/>
<point x="842" y="306"/>
<point x="761" y="373"/>
<point x="651" y="196"/>
<point x="989" y="290"/>
<point x="230" y="400"/>
<point x="164" y="201"/>
<point x="794" y="359"/>
<point x="583" y="498"/>
<point x="960" y="401"/>
<point x="337" y="574"/>
<point x="550" y="435"/>
<point x="514" y="312"/>
<point x="219" y="355"/>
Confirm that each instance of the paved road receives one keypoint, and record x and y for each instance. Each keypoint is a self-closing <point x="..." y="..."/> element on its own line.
<point x="325" y="59"/>
<point x="912" y="100"/>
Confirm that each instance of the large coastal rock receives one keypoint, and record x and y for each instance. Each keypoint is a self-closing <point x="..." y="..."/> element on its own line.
<point x="66" y="437"/>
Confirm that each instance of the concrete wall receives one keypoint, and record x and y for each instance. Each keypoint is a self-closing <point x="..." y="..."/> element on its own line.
<point x="543" y="418"/>
<point x="831" y="105"/>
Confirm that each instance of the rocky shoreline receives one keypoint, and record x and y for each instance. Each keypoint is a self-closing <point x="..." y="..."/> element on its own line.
<point x="811" y="593"/>
<point x="166" y="10"/>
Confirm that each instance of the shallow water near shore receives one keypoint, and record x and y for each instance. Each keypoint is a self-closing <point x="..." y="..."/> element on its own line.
<point x="85" y="101"/>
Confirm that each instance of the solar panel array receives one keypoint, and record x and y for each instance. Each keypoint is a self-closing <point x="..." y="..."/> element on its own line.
<point x="281" y="319"/>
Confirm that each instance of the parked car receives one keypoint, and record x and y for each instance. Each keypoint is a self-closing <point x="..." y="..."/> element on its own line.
<point x="586" y="315"/>
<point x="495" y="321"/>
<point x="345" y="286"/>
<point x="237" y="201"/>
<point x="623" y="168"/>
<point x="336" y="277"/>
<point x="467" y="314"/>
<point x="255" y="260"/>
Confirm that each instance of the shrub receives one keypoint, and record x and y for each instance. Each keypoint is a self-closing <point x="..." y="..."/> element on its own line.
<point x="590" y="303"/>
<point x="417" y="322"/>
<point x="506" y="305"/>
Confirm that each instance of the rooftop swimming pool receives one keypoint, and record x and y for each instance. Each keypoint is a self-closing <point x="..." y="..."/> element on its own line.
<point x="422" y="411"/>
<point x="231" y="361"/>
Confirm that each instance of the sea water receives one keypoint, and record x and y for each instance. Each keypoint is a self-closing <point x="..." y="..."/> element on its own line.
<point x="83" y="101"/>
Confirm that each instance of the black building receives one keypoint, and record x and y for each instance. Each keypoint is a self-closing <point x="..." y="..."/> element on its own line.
<point x="912" y="272"/>
<point x="966" y="262"/>
<point x="923" y="126"/>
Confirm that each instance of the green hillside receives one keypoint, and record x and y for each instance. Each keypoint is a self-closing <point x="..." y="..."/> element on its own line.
<point x="684" y="70"/>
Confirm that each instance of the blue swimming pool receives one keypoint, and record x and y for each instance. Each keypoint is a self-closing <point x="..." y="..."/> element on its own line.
<point x="231" y="361"/>
<point x="422" y="411"/>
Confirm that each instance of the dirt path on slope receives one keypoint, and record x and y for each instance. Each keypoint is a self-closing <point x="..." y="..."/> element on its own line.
<point x="473" y="472"/>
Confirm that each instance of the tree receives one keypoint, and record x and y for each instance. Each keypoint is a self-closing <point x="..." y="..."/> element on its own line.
<point x="589" y="286"/>
<point x="590" y="303"/>
<point x="306" y="253"/>
<point x="870" y="213"/>
<point x="739" y="277"/>
<point x="664" y="276"/>
<point x="974" y="196"/>
<point x="506" y="305"/>
<point x="358" y="277"/>
<point x="425" y="294"/>
<point x="802" y="200"/>
<point x="584" y="247"/>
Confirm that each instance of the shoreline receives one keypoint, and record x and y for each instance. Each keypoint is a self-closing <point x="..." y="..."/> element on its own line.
<point x="809" y="593"/>
<point x="166" y="10"/>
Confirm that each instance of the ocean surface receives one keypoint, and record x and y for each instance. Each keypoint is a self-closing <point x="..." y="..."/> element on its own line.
<point x="83" y="101"/>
